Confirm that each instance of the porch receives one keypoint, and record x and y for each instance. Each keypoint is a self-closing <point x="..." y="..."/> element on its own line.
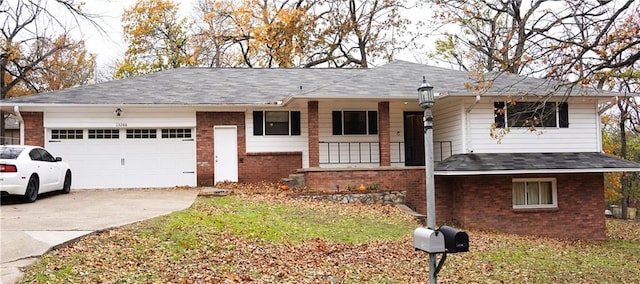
<point x="356" y="154"/>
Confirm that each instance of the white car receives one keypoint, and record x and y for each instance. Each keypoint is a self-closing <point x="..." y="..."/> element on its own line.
<point x="30" y="170"/>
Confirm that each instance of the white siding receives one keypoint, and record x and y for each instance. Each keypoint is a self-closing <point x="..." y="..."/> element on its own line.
<point x="325" y="134"/>
<point x="130" y="117"/>
<point x="448" y="125"/>
<point x="279" y="143"/>
<point x="582" y="135"/>
<point x="396" y="128"/>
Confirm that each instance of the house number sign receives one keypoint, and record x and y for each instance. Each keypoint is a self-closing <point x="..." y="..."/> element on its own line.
<point x="121" y="124"/>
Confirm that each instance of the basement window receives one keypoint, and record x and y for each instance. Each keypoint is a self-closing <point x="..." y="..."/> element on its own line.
<point x="534" y="193"/>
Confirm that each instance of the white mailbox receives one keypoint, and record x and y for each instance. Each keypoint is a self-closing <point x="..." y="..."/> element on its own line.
<point x="428" y="240"/>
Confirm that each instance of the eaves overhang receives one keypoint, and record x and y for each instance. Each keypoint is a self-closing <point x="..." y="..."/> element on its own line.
<point x="533" y="163"/>
<point x="537" y="171"/>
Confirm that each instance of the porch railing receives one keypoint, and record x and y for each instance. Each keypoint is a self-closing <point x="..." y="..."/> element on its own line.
<point x="369" y="152"/>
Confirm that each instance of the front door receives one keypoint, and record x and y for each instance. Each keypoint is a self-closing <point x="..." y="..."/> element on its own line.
<point x="225" y="151"/>
<point x="413" y="139"/>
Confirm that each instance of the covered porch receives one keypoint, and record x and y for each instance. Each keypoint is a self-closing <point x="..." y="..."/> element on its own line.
<point x="390" y="163"/>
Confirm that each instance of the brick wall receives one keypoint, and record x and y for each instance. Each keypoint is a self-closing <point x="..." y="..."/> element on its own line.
<point x="388" y="179"/>
<point x="485" y="202"/>
<point x="270" y="167"/>
<point x="33" y="128"/>
<point x="314" y="136"/>
<point x="383" y="134"/>
<point x="252" y="167"/>
<point x="204" y="141"/>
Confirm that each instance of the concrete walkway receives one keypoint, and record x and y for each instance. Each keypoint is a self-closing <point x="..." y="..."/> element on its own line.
<point x="27" y="231"/>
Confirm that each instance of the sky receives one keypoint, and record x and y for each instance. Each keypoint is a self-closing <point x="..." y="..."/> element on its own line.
<point x="111" y="47"/>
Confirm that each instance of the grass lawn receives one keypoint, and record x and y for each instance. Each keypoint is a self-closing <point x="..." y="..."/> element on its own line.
<point x="268" y="238"/>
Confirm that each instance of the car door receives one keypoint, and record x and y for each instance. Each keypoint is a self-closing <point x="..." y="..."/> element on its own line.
<point x="57" y="171"/>
<point x="47" y="169"/>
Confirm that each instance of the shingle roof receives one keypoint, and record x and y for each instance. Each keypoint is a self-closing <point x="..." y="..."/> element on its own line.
<point x="196" y="86"/>
<point x="492" y="163"/>
<point x="402" y="79"/>
<point x="242" y="86"/>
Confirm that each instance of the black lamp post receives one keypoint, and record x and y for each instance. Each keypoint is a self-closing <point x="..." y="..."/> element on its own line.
<point x="425" y="94"/>
<point x="426" y="100"/>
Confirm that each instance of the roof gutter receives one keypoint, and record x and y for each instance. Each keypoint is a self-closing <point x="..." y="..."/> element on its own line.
<point x="16" y="111"/>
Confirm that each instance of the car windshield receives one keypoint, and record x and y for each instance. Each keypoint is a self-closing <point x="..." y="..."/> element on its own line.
<point x="10" y="152"/>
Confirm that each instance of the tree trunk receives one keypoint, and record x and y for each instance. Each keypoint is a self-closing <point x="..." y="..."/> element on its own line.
<point x="623" y="152"/>
<point x="2" y="126"/>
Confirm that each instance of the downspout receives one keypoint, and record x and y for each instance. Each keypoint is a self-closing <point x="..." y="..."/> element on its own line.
<point x="16" y="111"/>
<point x="467" y="122"/>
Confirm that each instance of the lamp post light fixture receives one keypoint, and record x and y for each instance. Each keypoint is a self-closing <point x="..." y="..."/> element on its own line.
<point x="425" y="94"/>
<point x="426" y="100"/>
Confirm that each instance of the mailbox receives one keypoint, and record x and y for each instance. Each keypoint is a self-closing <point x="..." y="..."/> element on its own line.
<point x="428" y="240"/>
<point x="454" y="239"/>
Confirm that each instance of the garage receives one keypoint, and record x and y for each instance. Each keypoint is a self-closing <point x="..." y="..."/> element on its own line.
<point x="130" y="154"/>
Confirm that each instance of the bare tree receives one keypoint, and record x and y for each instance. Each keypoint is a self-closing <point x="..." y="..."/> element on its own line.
<point x="359" y="32"/>
<point x="542" y="38"/>
<point x="32" y="32"/>
<point x="299" y="33"/>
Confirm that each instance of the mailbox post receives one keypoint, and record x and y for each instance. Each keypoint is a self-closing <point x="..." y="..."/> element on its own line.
<point x="426" y="100"/>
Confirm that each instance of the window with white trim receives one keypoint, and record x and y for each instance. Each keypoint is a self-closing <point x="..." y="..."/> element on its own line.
<point x="66" y="134"/>
<point x="534" y="193"/>
<point x="531" y="114"/>
<point x="355" y="122"/>
<point x="276" y="123"/>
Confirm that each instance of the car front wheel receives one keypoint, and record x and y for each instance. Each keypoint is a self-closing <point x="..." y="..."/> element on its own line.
<point x="31" y="194"/>
<point x="66" y="187"/>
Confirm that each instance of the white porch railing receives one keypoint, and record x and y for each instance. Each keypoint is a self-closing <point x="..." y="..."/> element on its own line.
<point x="369" y="152"/>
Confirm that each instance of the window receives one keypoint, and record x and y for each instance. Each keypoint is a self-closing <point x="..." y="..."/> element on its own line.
<point x="176" y="133"/>
<point x="11" y="153"/>
<point x="41" y="155"/>
<point x="141" y="133"/>
<point x="104" y="134"/>
<point x="66" y="134"/>
<point x="531" y="114"/>
<point x="355" y="122"/>
<point x="276" y="123"/>
<point x="534" y="193"/>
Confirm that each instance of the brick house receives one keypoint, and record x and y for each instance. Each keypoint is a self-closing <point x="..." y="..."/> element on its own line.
<point x="341" y="127"/>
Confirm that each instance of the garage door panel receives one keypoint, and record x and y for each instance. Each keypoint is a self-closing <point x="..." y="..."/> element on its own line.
<point x="128" y="163"/>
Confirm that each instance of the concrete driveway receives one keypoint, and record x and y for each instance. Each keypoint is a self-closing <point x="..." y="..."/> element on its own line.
<point x="30" y="230"/>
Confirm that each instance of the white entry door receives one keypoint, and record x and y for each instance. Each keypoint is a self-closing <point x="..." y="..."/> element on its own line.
<point x="225" y="151"/>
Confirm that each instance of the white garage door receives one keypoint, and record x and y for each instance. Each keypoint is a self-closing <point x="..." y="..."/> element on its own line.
<point x="126" y="158"/>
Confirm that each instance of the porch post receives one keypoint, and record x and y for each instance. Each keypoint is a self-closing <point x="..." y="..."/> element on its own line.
<point x="314" y="139"/>
<point x="384" y="136"/>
